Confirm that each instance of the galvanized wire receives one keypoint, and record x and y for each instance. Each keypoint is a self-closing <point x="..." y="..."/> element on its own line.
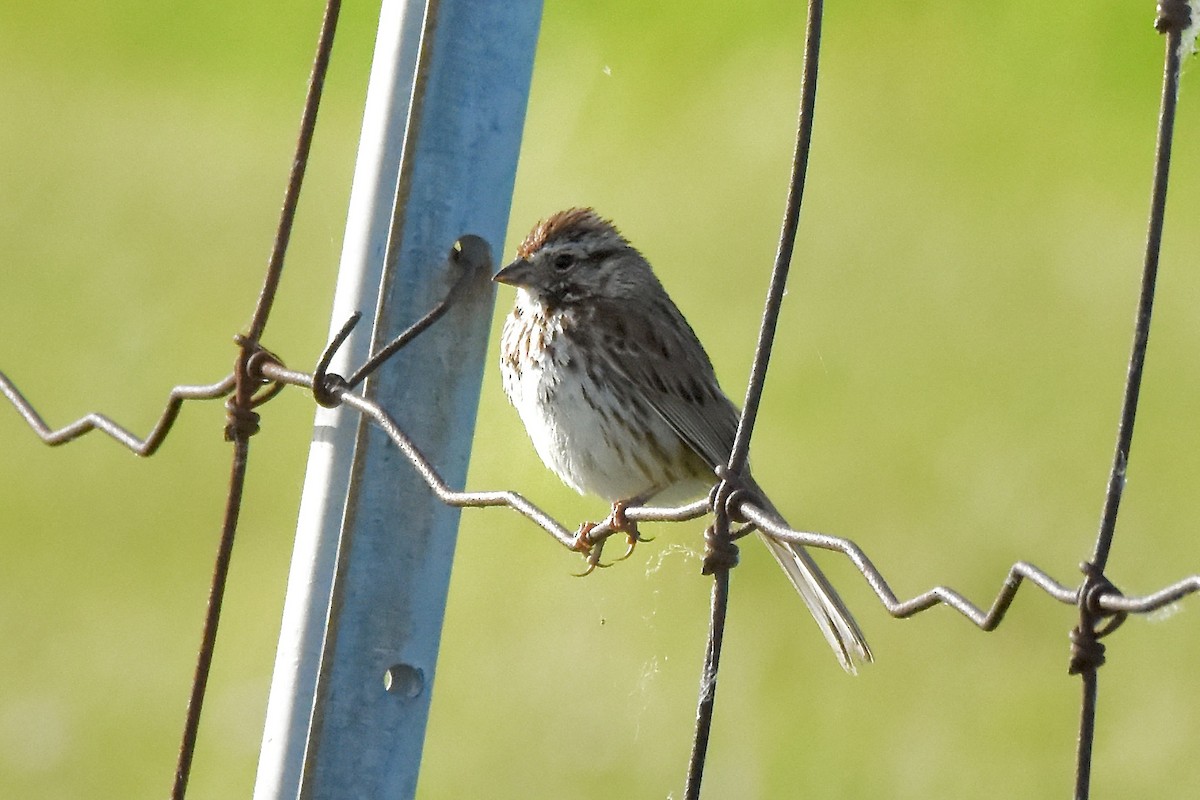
<point x="1173" y="17"/>
<point x="1087" y="651"/>
<point x="721" y="554"/>
<point x="142" y="446"/>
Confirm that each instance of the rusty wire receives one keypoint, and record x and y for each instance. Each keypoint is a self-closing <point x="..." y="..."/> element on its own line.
<point x="243" y="420"/>
<point x="259" y="375"/>
<point x="469" y="255"/>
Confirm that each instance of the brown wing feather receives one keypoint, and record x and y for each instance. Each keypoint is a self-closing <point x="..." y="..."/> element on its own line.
<point x="628" y="336"/>
<point x="666" y="365"/>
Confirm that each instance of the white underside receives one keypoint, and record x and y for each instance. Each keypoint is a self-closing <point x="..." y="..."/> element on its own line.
<point x="572" y="437"/>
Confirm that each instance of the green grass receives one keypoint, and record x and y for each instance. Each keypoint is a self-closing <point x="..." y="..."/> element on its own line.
<point x="945" y="392"/>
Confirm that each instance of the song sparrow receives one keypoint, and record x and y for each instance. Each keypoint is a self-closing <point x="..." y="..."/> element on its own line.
<point x="617" y="393"/>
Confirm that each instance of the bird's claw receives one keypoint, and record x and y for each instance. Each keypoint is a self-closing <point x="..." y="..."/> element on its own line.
<point x="632" y="539"/>
<point x="629" y="527"/>
<point x="618" y="523"/>
<point x="593" y="561"/>
<point x="581" y="543"/>
<point x="591" y="550"/>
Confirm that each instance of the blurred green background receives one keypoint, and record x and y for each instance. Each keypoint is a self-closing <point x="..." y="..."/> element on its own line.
<point x="945" y="392"/>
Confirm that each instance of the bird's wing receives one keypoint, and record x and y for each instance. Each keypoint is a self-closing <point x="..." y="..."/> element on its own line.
<point x="658" y="355"/>
<point x="662" y="362"/>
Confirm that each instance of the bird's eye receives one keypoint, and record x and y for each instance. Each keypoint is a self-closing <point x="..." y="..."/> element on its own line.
<point x="563" y="261"/>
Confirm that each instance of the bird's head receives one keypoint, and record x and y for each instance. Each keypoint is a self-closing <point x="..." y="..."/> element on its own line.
<point x="575" y="256"/>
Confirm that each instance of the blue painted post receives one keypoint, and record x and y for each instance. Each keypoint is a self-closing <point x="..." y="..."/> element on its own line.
<point x="348" y="705"/>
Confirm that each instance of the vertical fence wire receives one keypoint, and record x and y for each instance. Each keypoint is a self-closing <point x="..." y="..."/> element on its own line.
<point x="787" y="239"/>
<point x="1087" y="651"/>
<point x="708" y="684"/>
<point x="1141" y="335"/>
<point x="243" y="421"/>
<point x="721" y="553"/>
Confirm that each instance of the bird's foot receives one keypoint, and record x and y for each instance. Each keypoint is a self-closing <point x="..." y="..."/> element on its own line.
<point x="582" y="543"/>
<point x="627" y="526"/>
<point x="616" y="522"/>
<point x="591" y="550"/>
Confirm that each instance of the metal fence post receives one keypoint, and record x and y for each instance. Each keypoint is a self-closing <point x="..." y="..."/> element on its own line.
<point x="437" y="159"/>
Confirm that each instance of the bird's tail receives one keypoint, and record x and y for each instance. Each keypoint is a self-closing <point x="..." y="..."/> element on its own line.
<point x="833" y="618"/>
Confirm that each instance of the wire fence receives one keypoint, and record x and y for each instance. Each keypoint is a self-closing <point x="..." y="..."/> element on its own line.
<point x="259" y="376"/>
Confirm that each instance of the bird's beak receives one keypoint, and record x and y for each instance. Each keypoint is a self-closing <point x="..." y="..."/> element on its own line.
<point x="518" y="273"/>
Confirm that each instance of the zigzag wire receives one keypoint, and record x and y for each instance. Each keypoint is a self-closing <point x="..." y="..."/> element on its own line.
<point x="939" y="595"/>
<point x="95" y="421"/>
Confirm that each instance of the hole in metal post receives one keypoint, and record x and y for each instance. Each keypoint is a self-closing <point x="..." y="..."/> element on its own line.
<point x="404" y="679"/>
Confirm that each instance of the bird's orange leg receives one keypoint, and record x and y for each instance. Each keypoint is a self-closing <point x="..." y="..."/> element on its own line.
<point x="629" y="527"/>
<point x="617" y="523"/>
<point x="592" y="550"/>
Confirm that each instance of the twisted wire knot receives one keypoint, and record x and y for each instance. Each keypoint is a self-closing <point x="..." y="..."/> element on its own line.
<point x="1172" y="15"/>
<point x="241" y="419"/>
<point x="242" y="423"/>
<point x="734" y="500"/>
<point x="1087" y="652"/>
<point x="728" y="495"/>
<point x="725" y="500"/>
<point x="720" y="553"/>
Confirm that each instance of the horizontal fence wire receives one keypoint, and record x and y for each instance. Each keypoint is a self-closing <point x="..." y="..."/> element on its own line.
<point x="268" y="369"/>
<point x="259" y="376"/>
<point x="146" y="446"/>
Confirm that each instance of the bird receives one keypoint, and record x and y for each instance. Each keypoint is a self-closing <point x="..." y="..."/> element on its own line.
<point x="619" y="397"/>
